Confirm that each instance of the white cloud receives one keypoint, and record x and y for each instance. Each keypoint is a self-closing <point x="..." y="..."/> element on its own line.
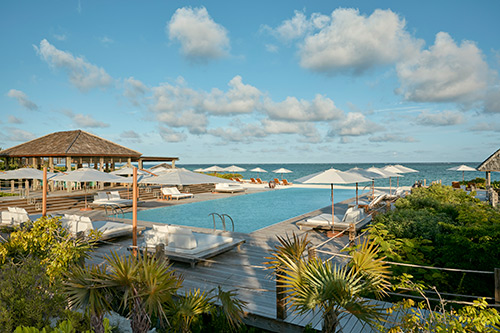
<point x="354" y="124"/>
<point x="486" y="127"/>
<point x="446" y="72"/>
<point x="201" y="38"/>
<point x="82" y="74"/>
<point x="391" y="138"/>
<point x="106" y="41"/>
<point x="60" y="37"/>
<point x="354" y="43"/>
<point x="492" y="101"/>
<point x="18" y="135"/>
<point x="82" y="120"/>
<point x="196" y="123"/>
<point x="131" y="136"/>
<point x="319" y="109"/>
<point x="271" y="48"/>
<point x="22" y="99"/>
<point x="241" y="98"/>
<point x="299" y="26"/>
<point x="14" y="120"/>
<point x="170" y="135"/>
<point x="445" y="118"/>
<point x="134" y="90"/>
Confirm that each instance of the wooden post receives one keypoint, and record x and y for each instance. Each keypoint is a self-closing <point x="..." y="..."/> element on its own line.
<point x="160" y="251"/>
<point x="497" y="285"/>
<point x="352" y="234"/>
<point x="280" y="298"/>
<point x="425" y="181"/>
<point x="44" y="190"/>
<point x="134" y="212"/>
<point x="311" y="252"/>
<point x="488" y="179"/>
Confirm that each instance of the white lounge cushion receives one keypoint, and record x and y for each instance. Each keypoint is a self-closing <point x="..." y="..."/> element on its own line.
<point x="161" y="228"/>
<point x="114" y="195"/>
<point x="178" y="230"/>
<point x="12" y="209"/>
<point x="182" y="241"/>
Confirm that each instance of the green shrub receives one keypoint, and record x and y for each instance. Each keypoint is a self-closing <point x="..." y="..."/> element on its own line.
<point x="27" y="296"/>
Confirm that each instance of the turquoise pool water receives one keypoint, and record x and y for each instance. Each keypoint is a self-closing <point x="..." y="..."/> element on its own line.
<point x="250" y="212"/>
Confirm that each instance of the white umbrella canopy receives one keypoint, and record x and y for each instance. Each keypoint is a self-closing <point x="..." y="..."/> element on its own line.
<point x="282" y="171"/>
<point x="385" y="174"/>
<point x="258" y="170"/>
<point x="128" y="171"/>
<point x="88" y="175"/>
<point x="24" y="173"/>
<point x="367" y="174"/>
<point x="404" y="169"/>
<point x="462" y="168"/>
<point x="214" y="168"/>
<point x="180" y="176"/>
<point x="199" y="170"/>
<point x="332" y="176"/>
<point x="234" y="168"/>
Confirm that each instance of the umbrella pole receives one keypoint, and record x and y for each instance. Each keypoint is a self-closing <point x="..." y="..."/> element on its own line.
<point x="463" y="176"/>
<point x="333" y="208"/>
<point x="398" y="182"/>
<point x="373" y="189"/>
<point x="44" y="189"/>
<point x="390" y="185"/>
<point x="134" y="213"/>
<point x="356" y="194"/>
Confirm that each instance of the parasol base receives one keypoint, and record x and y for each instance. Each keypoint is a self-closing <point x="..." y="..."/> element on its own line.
<point x="331" y="233"/>
<point x="86" y="209"/>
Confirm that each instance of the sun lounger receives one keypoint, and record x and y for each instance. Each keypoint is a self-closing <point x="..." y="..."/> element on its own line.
<point x="285" y="182"/>
<point x="173" y="193"/>
<point x="277" y="181"/>
<point x="253" y="181"/>
<point x="352" y="215"/>
<point x="14" y="216"/>
<point x="102" y="198"/>
<point x="259" y="181"/>
<point x="228" y="188"/>
<point x="108" y="229"/>
<point x="182" y="244"/>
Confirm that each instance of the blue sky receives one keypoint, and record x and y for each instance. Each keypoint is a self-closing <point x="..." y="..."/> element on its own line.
<point x="259" y="81"/>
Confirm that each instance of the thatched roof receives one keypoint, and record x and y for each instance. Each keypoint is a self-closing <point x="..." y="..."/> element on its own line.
<point x="69" y="143"/>
<point x="492" y="163"/>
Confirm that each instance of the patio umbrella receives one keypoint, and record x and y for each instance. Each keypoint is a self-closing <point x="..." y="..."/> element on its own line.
<point x="367" y="174"/>
<point x="89" y="175"/>
<point x="399" y="169"/>
<point x="282" y="171"/>
<point x="24" y="173"/>
<point x="128" y="171"/>
<point x="234" y="168"/>
<point x="332" y="176"/>
<point x="258" y="170"/>
<point x="404" y="169"/>
<point x="181" y="176"/>
<point x="385" y="174"/>
<point x="214" y="168"/>
<point x="199" y="170"/>
<point x="462" y="168"/>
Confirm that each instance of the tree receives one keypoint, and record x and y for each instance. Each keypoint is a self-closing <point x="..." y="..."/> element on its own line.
<point x="311" y="283"/>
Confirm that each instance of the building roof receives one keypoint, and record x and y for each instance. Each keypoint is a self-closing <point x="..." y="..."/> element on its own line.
<point x="69" y="143"/>
<point x="492" y="163"/>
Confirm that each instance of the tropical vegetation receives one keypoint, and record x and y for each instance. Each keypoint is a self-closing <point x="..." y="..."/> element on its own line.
<point x="442" y="227"/>
<point x="311" y="284"/>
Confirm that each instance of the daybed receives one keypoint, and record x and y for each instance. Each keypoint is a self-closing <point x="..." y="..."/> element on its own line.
<point x="14" y="216"/>
<point x="229" y="188"/>
<point x="108" y="229"/>
<point x="173" y="193"/>
<point x="352" y="215"/>
<point x="182" y="244"/>
<point x="102" y="198"/>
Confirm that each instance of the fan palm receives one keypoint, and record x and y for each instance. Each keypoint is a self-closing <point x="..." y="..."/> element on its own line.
<point x="335" y="290"/>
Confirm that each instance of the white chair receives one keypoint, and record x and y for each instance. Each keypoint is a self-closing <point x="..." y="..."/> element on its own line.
<point x="173" y="193"/>
<point x="14" y="216"/>
<point x="107" y="229"/>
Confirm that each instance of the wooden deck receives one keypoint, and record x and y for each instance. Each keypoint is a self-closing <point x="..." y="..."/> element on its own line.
<point x="244" y="271"/>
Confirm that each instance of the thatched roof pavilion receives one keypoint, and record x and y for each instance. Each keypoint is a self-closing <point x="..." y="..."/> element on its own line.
<point x="75" y="147"/>
<point x="492" y="163"/>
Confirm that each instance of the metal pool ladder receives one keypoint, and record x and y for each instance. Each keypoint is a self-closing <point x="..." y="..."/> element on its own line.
<point x="223" y="220"/>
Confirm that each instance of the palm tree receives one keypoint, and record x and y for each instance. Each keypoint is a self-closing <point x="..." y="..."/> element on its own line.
<point x="85" y="289"/>
<point x="143" y="285"/>
<point x="336" y="290"/>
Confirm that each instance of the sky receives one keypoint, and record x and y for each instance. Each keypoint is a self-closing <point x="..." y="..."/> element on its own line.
<point x="257" y="81"/>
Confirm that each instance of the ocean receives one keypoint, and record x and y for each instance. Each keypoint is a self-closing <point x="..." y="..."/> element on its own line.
<point x="428" y="171"/>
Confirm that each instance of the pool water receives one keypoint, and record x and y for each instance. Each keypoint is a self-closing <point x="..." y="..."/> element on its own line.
<point x="250" y="212"/>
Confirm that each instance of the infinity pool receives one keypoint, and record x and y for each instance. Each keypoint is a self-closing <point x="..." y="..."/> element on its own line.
<point x="250" y="212"/>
